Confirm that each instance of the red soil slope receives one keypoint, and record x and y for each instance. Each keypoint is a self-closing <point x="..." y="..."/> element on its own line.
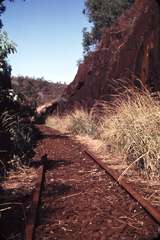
<point x="128" y="52"/>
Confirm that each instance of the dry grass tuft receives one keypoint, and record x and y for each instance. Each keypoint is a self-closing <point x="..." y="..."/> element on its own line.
<point x="78" y="122"/>
<point x="133" y="132"/>
<point x="21" y="181"/>
<point x="59" y="123"/>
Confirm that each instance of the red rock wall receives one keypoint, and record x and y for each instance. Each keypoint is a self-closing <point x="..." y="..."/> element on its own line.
<point x="128" y="52"/>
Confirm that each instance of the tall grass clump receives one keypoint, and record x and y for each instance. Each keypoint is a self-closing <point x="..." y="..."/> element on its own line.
<point x="133" y="131"/>
<point x="82" y="124"/>
<point x="59" y="123"/>
<point x="78" y="122"/>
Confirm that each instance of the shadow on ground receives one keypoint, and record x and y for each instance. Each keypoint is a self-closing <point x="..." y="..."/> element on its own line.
<point x="51" y="164"/>
<point x="54" y="164"/>
<point x="52" y="136"/>
<point x="157" y="238"/>
<point x="55" y="190"/>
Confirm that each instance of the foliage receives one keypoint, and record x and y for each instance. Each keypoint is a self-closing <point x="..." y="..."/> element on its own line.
<point x="37" y="89"/>
<point x="101" y="13"/>
<point x="12" y="122"/>
<point x="6" y="47"/>
<point x="15" y="113"/>
<point x="2" y="9"/>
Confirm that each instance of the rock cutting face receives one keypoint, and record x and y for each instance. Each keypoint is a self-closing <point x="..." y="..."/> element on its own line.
<point x="128" y="55"/>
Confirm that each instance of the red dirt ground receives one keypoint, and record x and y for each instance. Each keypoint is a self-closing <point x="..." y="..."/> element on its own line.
<point x="80" y="201"/>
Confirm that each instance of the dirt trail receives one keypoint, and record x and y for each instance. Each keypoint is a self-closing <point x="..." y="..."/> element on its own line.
<point x="81" y="202"/>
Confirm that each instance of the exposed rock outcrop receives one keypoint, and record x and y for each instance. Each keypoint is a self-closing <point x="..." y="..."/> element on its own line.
<point x="128" y="54"/>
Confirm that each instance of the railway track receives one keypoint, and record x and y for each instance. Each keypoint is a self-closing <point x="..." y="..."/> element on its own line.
<point x="33" y="212"/>
<point x="32" y="219"/>
<point x="32" y="216"/>
<point x="152" y="211"/>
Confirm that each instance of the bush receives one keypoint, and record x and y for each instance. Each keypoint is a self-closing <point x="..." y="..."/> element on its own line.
<point x="16" y="126"/>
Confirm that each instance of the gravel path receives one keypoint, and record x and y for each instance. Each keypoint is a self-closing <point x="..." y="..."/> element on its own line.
<point x="81" y="202"/>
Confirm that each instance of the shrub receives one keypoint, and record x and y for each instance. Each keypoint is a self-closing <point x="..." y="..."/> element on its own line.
<point x="16" y="126"/>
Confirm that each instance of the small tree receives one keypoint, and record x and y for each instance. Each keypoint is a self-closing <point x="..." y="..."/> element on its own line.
<point x="6" y="47"/>
<point x="101" y="13"/>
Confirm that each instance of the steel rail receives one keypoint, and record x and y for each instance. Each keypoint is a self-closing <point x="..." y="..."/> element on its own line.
<point x="33" y="211"/>
<point x="152" y="211"/>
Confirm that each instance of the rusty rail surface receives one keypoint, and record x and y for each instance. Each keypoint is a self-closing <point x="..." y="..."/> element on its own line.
<point x="152" y="211"/>
<point x="32" y="216"/>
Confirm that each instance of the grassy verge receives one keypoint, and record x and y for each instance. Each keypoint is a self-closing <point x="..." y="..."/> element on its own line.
<point x="130" y="130"/>
<point x="133" y="132"/>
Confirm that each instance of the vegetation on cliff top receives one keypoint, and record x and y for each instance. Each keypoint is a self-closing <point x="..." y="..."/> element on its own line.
<point x="37" y="89"/>
<point x="101" y="13"/>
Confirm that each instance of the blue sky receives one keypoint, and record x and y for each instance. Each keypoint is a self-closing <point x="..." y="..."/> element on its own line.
<point x="48" y="34"/>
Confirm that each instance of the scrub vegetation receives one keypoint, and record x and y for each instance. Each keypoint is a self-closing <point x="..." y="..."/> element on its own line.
<point x="130" y="130"/>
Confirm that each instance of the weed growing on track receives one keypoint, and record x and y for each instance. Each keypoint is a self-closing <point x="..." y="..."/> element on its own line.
<point x="129" y="130"/>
